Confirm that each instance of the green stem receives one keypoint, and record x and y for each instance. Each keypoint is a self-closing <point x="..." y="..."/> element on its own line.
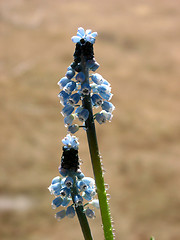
<point x="96" y="161"/>
<point x="81" y="215"/>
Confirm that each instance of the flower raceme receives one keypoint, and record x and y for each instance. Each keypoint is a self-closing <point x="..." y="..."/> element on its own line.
<point x="74" y="86"/>
<point x="72" y="177"/>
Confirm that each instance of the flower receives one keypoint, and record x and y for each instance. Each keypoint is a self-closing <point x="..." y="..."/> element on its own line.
<point x="63" y="81"/>
<point x="70" y="142"/>
<point x="96" y="100"/>
<point x="60" y="215"/>
<point x="83" y="115"/>
<point x="67" y="110"/>
<point x="87" y="36"/>
<point x="73" y="128"/>
<point x="108" y="106"/>
<point x="70" y="212"/>
<point x="74" y="98"/>
<point x="89" y="213"/>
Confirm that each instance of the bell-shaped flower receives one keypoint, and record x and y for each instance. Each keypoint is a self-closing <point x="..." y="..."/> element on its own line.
<point x="69" y="182"/>
<point x="60" y="215"/>
<point x="106" y="95"/>
<point x="70" y="73"/>
<point x="70" y="87"/>
<point x="96" y="100"/>
<point x="100" y="118"/>
<point x="65" y="202"/>
<point x="63" y="96"/>
<point x="89" y="181"/>
<point x="83" y="115"/>
<point x="65" y="192"/>
<point x="108" y="106"/>
<point x="68" y="120"/>
<point x="67" y="110"/>
<point x="63" y="81"/>
<point x="80" y="77"/>
<point x="97" y="78"/>
<point x="85" y="89"/>
<point x="70" y="212"/>
<point x="74" y="99"/>
<point x="55" y="188"/>
<point x="90" y="213"/>
<point x="82" y="185"/>
<point x="56" y="180"/>
<point x="78" y="200"/>
<point x="56" y="202"/>
<point x="73" y="128"/>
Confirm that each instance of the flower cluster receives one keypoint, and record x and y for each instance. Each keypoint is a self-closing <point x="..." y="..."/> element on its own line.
<point x="72" y="178"/>
<point x="74" y="86"/>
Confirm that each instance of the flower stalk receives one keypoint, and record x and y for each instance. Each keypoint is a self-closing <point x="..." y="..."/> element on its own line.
<point x="81" y="215"/>
<point x="96" y="160"/>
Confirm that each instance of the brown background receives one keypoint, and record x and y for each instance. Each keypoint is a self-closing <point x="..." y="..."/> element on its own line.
<point x="138" y="50"/>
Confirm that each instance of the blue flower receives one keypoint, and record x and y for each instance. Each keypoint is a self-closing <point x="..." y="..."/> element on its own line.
<point x="108" y="106"/>
<point x="56" y="180"/>
<point x="103" y="116"/>
<point x="74" y="98"/>
<point x="96" y="100"/>
<point x="80" y="77"/>
<point x="73" y="128"/>
<point x="70" y="142"/>
<point x="69" y="182"/>
<point x="82" y="185"/>
<point x="87" y="35"/>
<point x="90" y="213"/>
<point x="69" y="120"/>
<point x="100" y="118"/>
<point x="67" y="110"/>
<point x="85" y="89"/>
<point x="70" y="73"/>
<point x="83" y="115"/>
<point x="55" y="188"/>
<point x="56" y="202"/>
<point x="60" y="215"/>
<point x="65" y="202"/>
<point x="97" y="78"/>
<point x="78" y="200"/>
<point x="106" y="95"/>
<point x="65" y="192"/>
<point x="70" y="87"/>
<point x="63" y="96"/>
<point x="63" y="81"/>
<point x="70" y="212"/>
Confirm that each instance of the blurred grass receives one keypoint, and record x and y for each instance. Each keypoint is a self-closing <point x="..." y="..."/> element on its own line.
<point x="138" y="50"/>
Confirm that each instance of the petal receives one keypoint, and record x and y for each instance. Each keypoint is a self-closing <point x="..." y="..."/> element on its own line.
<point x="75" y="39"/>
<point x="94" y="34"/>
<point x="81" y="31"/>
<point x="88" y="31"/>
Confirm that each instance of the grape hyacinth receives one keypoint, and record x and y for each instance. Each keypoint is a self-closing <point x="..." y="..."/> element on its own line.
<point x="85" y="97"/>
<point x="72" y="179"/>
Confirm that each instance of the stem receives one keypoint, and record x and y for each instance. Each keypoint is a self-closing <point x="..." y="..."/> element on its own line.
<point x="81" y="215"/>
<point x="96" y="161"/>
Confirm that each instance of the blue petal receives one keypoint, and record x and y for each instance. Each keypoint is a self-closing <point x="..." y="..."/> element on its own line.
<point x="88" y="31"/>
<point x="76" y="39"/>
<point x="81" y="31"/>
<point x="94" y="34"/>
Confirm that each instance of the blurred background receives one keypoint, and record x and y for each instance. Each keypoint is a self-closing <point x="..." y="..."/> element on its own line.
<point x="138" y="52"/>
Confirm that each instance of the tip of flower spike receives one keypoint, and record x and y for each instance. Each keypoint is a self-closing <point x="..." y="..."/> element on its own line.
<point x="84" y="36"/>
<point x="70" y="142"/>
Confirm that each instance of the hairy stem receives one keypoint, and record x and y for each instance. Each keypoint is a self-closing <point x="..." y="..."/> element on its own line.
<point x="96" y="161"/>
